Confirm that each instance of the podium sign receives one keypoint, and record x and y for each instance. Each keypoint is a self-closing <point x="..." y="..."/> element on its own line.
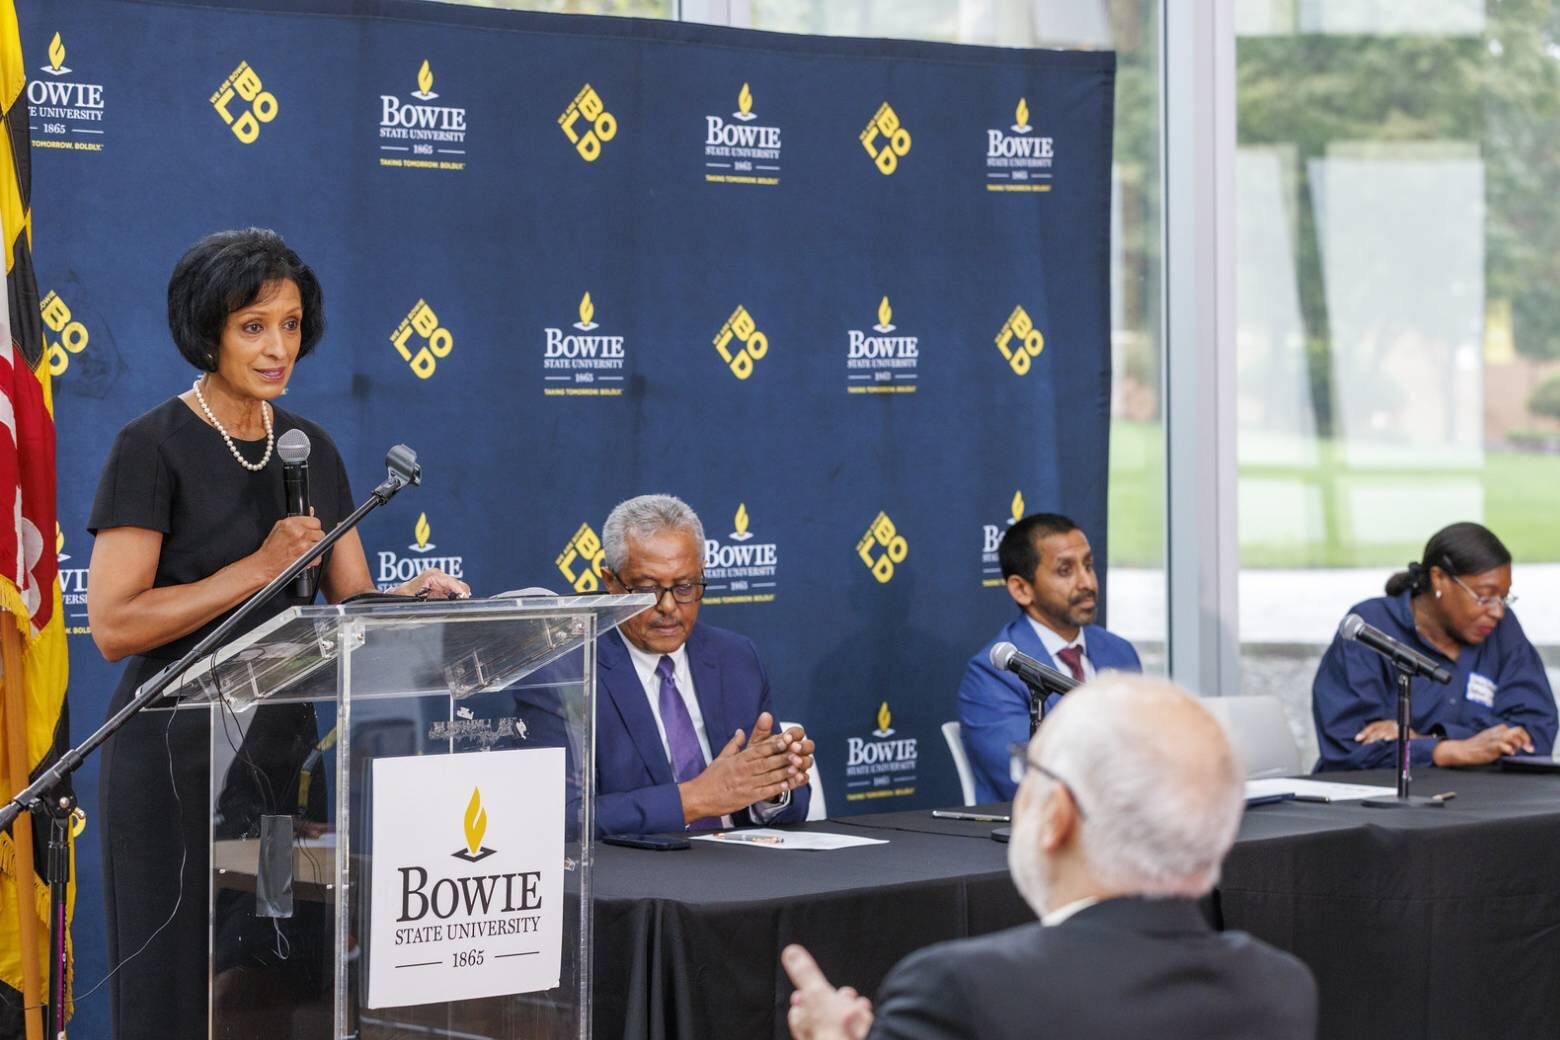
<point x="467" y="890"/>
<point x="401" y="819"/>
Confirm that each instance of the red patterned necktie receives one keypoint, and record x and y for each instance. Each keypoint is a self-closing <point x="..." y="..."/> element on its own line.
<point x="1072" y="657"/>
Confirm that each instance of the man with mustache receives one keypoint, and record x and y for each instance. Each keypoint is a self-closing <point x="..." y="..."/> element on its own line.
<point x="685" y="727"/>
<point x="1049" y="569"/>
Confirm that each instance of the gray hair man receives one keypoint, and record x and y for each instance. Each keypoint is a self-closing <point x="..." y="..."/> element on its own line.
<point x="685" y="726"/>
<point x="1128" y="799"/>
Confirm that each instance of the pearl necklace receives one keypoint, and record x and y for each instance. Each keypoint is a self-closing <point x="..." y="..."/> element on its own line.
<point x="265" y="415"/>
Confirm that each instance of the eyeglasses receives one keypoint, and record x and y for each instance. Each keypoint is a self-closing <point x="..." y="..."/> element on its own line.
<point x="682" y="592"/>
<point x="1487" y="602"/>
<point x="1019" y="763"/>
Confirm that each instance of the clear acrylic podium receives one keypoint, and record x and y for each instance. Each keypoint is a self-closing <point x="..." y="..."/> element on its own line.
<point x="401" y="819"/>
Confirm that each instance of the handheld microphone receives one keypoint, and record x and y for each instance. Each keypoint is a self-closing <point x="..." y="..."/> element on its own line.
<point x="1354" y="629"/>
<point x="1042" y="677"/>
<point x="293" y="446"/>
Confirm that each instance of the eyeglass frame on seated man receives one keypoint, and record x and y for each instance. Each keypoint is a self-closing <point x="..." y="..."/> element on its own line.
<point x="1019" y="763"/>
<point x="692" y="590"/>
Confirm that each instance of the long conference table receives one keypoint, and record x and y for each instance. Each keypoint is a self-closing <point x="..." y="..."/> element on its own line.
<point x="1418" y="923"/>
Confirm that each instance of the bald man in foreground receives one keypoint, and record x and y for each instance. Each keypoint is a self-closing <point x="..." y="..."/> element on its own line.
<point x="1128" y="799"/>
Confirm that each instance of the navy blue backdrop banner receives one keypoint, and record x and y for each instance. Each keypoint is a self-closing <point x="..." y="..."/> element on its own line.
<point x="848" y="298"/>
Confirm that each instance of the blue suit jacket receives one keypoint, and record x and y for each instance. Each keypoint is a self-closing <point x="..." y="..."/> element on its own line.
<point x="635" y="790"/>
<point x="994" y="706"/>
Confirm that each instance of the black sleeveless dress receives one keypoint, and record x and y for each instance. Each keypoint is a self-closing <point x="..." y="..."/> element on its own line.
<point x="171" y="472"/>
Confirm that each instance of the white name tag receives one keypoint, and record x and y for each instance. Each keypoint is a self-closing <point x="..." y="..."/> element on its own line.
<point x="1481" y="690"/>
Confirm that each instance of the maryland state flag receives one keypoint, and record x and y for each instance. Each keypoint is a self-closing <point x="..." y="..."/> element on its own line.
<point x="32" y="712"/>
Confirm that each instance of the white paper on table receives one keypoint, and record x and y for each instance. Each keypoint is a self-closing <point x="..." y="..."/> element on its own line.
<point x="769" y="838"/>
<point x="1315" y="790"/>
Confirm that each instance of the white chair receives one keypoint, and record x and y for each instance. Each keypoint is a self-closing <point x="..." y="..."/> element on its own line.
<point x="1260" y="732"/>
<point x="817" y="808"/>
<point x="961" y="761"/>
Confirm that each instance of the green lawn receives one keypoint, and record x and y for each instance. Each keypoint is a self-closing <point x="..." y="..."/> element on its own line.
<point x="1328" y="515"/>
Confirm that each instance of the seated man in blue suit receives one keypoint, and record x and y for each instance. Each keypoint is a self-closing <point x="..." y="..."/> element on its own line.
<point x="684" y="725"/>
<point x="1049" y="570"/>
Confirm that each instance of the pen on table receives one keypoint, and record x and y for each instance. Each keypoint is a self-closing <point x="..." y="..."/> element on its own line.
<point x="1444" y="796"/>
<point x="752" y="839"/>
<point x="944" y="814"/>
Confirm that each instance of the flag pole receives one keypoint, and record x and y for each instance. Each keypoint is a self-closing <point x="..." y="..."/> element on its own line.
<point x="21" y="829"/>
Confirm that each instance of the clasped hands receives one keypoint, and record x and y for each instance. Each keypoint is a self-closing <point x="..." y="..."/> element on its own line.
<point x="1480" y="749"/>
<point x="752" y="769"/>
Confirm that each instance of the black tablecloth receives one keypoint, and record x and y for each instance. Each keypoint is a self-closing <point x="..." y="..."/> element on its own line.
<point x="1417" y="923"/>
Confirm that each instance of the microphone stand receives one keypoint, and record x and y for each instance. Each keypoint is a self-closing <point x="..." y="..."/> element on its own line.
<point x="1038" y="692"/>
<point x="37" y="797"/>
<point x="1405" y="672"/>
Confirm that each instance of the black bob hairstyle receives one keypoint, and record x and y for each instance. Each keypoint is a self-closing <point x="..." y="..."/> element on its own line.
<point x="224" y="272"/>
<point x="1457" y="549"/>
<point x="1017" y="553"/>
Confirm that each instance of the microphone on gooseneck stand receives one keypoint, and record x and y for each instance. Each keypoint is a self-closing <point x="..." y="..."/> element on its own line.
<point x="293" y="446"/>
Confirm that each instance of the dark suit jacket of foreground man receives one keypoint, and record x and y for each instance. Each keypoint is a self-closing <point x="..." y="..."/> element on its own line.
<point x="1118" y="970"/>
<point x="635" y="790"/>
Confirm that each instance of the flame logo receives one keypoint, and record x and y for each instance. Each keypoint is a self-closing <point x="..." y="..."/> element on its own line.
<point x="740" y="522"/>
<point x="476" y="822"/>
<point x="885" y="313"/>
<point x="422" y="531"/>
<point x="884" y="718"/>
<point x="745" y="100"/>
<point x="1021" y="113"/>
<point x="56" y="64"/>
<point x="587" y="310"/>
<point x="424" y="78"/>
<point x="1018" y="507"/>
<point x="59" y="543"/>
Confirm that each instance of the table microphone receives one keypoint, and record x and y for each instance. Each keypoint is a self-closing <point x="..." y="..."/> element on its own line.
<point x="1354" y="629"/>
<point x="293" y="446"/>
<point x="1008" y="657"/>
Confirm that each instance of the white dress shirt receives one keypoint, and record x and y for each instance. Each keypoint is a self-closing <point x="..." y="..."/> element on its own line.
<point x="645" y="664"/>
<point x="1054" y="642"/>
<point x="1052" y="918"/>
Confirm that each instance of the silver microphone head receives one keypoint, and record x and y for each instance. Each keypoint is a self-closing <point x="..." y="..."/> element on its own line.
<point x="293" y="446"/>
<point x="1001" y="654"/>
<point x="1349" y="627"/>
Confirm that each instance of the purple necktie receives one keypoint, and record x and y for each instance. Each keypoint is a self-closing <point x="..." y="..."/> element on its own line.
<point x="681" y="740"/>
<point x="1071" y="656"/>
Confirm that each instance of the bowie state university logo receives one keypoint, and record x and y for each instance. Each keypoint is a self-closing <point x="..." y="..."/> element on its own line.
<point x="886" y="139"/>
<point x="1018" y="161"/>
<point x="73" y="589"/>
<point x="740" y="152"/>
<point x="584" y="365"/>
<point x="397" y="570"/>
<point x="991" y="539"/>
<point x="413" y="135"/>
<point x="751" y="345"/>
<point x="882" y="548"/>
<point x="421" y="340"/>
<point x="587" y="123"/>
<point x="741" y="570"/>
<point x="476" y="827"/>
<point x="244" y="104"/>
<point x="63" y="335"/>
<point x="1019" y="341"/>
<point x="878" y="767"/>
<point x="581" y="560"/>
<point x="880" y="363"/>
<point x="58" y="108"/>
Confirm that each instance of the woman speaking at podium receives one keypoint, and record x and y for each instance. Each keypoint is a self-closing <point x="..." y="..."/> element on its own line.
<point x="190" y="520"/>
